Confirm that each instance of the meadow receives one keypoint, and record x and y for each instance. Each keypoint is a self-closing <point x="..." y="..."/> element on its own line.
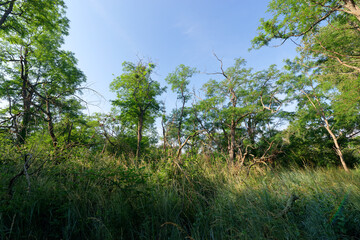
<point x="99" y="196"/>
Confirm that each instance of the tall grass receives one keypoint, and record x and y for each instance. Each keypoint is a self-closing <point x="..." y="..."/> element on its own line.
<point x="102" y="197"/>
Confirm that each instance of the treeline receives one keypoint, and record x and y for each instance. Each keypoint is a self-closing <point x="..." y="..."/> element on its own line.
<point x="239" y="115"/>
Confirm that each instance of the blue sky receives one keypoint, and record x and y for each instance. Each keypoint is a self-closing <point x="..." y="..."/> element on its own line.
<point x="105" y="33"/>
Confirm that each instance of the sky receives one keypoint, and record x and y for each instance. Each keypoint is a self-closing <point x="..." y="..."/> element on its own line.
<point x="105" y="33"/>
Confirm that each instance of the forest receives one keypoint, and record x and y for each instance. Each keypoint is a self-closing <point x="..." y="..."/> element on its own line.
<point x="265" y="154"/>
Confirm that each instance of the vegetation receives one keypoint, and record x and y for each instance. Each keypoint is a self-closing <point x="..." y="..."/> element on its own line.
<point x="137" y="93"/>
<point x="104" y="197"/>
<point x="231" y="163"/>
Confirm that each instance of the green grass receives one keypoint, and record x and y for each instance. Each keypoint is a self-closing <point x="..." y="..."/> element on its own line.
<point x="103" y="197"/>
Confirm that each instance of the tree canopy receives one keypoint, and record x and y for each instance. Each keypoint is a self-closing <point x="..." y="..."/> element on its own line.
<point x="136" y="96"/>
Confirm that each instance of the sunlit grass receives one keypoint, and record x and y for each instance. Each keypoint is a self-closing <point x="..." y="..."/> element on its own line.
<point x="103" y="197"/>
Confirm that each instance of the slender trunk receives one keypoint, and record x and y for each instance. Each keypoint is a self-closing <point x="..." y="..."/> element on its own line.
<point x="226" y="140"/>
<point x="180" y="144"/>
<point x="251" y="125"/>
<point x="232" y="126"/>
<point x="181" y="119"/>
<point x="337" y="147"/>
<point x="26" y="95"/>
<point x="51" y="124"/>
<point x="183" y="145"/>
<point x="232" y="141"/>
<point x="178" y="153"/>
<point x="327" y="127"/>
<point x="139" y="134"/>
<point x="69" y="134"/>
<point x="164" y="134"/>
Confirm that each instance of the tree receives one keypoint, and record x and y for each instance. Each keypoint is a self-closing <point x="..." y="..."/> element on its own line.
<point x="179" y="81"/>
<point x="333" y="56"/>
<point x="235" y="105"/>
<point x="329" y="57"/>
<point x="15" y="14"/>
<point x="136" y="96"/>
<point x="37" y="77"/>
<point x="328" y="31"/>
<point x="316" y="99"/>
<point x="58" y="82"/>
<point x="294" y="19"/>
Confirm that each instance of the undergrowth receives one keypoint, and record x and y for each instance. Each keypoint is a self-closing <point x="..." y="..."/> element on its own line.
<point x="89" y="196"/>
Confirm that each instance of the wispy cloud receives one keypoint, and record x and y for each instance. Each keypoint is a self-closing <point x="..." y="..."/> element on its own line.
<point x="195" y="31"/>
<point x="104" y="13"/>
<point x="190" y="29"/>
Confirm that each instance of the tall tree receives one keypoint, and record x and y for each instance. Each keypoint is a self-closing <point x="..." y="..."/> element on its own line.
<point x="37" y="77"/>
<point x="316" y="100"/>
<point x="235" y="102"/>
<point x="136" y="96"/>
<point x="329" y="56"/>
<point x="179" y="81"/>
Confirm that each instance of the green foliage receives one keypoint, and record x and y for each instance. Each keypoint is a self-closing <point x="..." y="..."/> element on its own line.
<point x="15" y="14"/>
<point x="324" y="80"/>
<point x="38" y="80"/>
<point x="237" y="109"/>
<point x="179" y="128"/>
<point x="317" y="98"/>
<point x="137" y="92"/>
<point x="291" y="18"/>
<point x="179" y="81"/>
<point x="83" y="177"/>
<point x="136" y="97"/>
<point x="334" y="55"/>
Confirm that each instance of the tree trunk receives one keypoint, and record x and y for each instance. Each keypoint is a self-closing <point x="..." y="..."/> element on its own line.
<point x="180" y="144"/>
<point x="164" y="135"/>
<point x="26" y="95"/>
<point x="251" y="126"/>
<point x="327" y="127"/>
<point x="178" y="153"/>
<point x="337" y="147"/>
<point x="51" y="124"/>
<point x="181" y="119"/>
<point x="352" y="8"/>
<point x="69" y="133"/>
<point x="232" y="141"/>
<point x="139" y="134"/>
